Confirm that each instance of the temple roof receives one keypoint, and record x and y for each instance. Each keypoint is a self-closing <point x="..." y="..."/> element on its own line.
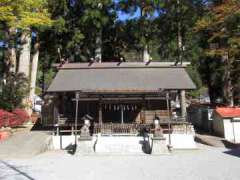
<point x="120" y="78"/>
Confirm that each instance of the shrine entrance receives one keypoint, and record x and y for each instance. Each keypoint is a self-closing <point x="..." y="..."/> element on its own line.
<point x="121" y="112"/>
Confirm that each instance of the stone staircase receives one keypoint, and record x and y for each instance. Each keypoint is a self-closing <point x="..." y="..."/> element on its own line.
<point x="126" y="145"/>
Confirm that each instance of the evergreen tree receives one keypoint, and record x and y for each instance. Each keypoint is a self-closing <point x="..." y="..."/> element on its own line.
<point x="220" y="27"/>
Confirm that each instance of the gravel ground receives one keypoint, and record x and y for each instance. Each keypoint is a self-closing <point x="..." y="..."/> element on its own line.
<point x="205" y="163"/>
<point x="24" y="144"/>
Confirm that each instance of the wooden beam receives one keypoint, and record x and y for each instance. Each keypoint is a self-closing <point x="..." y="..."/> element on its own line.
<point x="122" y="98"/>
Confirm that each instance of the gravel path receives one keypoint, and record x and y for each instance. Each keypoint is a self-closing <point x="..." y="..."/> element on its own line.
<point x="206" y="163"/>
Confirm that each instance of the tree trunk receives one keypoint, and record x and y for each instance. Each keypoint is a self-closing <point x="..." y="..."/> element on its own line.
<point x="10" y="58"/>
<point x="180" y="44"/>
<point x="98" y="50"/>
<point x="25" y="53"/>
<point x="179" y="36"/>
<point x="24" y="64"/>
<point x="145" y="55"/>
<point x="34" y="68"/>
<point x="228" y="87"/>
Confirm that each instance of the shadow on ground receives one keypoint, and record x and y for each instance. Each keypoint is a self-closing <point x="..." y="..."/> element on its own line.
<point x="230" y="145"/>
<point x="233" y="152"/>
<point x="71" y="149"/>
<point x="17" y="170"/>
<point x="39" y="127"/>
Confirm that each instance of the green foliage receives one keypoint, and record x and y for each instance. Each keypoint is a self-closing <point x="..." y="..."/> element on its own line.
<point x="220" y="33"/>
<point x="24" y="14"/>
<point x="221" y="23"/>
<point x="195" y="76"/>
<point x="174" y="16"/>
<point x="14" y="91"/>
<point x="1" y="61"/>
<point x="76" y="26"/>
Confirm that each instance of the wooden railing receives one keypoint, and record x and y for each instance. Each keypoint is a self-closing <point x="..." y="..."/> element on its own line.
<point x="118" y="128"/>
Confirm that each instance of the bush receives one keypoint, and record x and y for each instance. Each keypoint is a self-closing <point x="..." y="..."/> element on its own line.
<point x="5" y="118"/>
<point x="14" y="91"/>
<point x="22" y="115"/>
<point x="13" y="119"/>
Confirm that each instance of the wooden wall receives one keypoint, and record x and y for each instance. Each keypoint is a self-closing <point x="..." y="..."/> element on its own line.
<point x="145" y="112"/>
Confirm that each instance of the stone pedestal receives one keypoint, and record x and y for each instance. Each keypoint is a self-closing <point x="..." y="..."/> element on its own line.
<point x="159" y="146"/>
<point x="85" y="146"/>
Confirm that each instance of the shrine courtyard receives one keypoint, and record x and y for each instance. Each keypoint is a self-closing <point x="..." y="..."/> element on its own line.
<point x="205" y="163"/>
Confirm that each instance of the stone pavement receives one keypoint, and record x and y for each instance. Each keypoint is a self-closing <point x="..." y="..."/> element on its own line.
<point x="207" y="163"/>
<point x="24" y="143"/>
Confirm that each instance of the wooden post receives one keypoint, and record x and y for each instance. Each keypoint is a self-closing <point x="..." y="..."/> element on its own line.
<point x="183" y="104"/>
<point x="169" y="121"/>
<point x="168" y="113"/>
<point x="58" y="130"/>
<point x="143" y="113"/>
<point x="76" y="115"/>
<point x="55" y="115"/>
<point x="72" y="130"/>
<point x="100" y="113"/>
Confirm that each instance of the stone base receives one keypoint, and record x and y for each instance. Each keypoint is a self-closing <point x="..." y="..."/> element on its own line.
<point x="85" y="147"/>
<point x="120" y="145"/>
<point x="85" y="138"/>
<point x="159" y="146"/>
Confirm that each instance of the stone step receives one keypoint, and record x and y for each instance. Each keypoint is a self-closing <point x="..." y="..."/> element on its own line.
<point x="122" y="145"/>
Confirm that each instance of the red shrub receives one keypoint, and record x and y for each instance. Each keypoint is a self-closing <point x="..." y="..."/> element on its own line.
<point x="5" y="118"/>
<point x="21" y="115"/>
<point x="16" y="118"/>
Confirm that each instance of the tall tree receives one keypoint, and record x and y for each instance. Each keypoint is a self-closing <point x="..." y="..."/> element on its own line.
<point x="7" y="19"/>
<point x="175" y="23"/>
<point x="19" y="17"/>
<point x="78" y="28"/>
<point x="144" y="26"/>
<point x="221" y="26"/>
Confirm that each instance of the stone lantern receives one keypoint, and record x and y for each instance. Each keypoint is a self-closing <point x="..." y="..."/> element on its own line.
<point x="158" y="140"/>
<point x="85" y="132"/>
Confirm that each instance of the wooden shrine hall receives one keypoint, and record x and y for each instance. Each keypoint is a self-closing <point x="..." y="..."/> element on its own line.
<point x="116" y="93"/>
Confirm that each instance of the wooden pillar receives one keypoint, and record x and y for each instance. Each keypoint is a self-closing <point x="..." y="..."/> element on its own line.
<point x="183" y="104"/>
<point x="55" y="115"/>
<point x="143" y="112"/>
<point x="76" y="113"/>
<point x="122" y="119"/>
<point x="100" y="113"/>
<point x="169" y="120"/>
<point x="55" y="109"/>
